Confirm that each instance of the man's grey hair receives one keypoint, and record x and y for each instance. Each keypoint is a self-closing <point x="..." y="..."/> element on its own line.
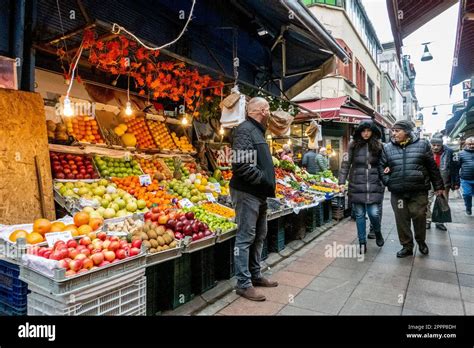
<point x="256" y="103"/>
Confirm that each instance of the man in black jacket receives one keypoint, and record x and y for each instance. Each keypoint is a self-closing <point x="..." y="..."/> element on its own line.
<point x="466" y="164"/>
<point x="253" y="180"/>
<point x="409" y="170"/>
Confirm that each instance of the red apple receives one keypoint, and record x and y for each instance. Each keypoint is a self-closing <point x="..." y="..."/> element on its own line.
<point x="188" y="230"/>
<point x="55" y="255"/>
<point x="73" y="253"/>
<point x="95" y="251"/>
<point x="88" y="263"/>
<point x="87" y="252"/>
<point x="60" y="176"/>
<point x="136" y="243"/>
<point x="200" y="235"/>
<point x="163" y="219"/>
<point x="114" y="245"/>
<point x="109" y="255"/>
<point x="120" y="254"/>
<point x="80" y="257"/>
<point x="70" y="273"/>
<point x="97" y="258"/>
<point x="155" y="217"/>
<point x="195" y="236"/>
<point x="123" y="243"/>
<point x="147" y="215"/>
<point x="189" y="215"/>
<point x="75" y="265"/>
<point x="47" y="254"/>
<point x="134" y="251"/>
<point x="102" y="236"/>
<point x="114" y="238"/>
<point x="103" y="263"/>
<point x="178" y="235"/>
<point x="155" y="210"/>
<point x="105" y="244"/>
<point x="179" y="226"/>
<point x="71" y="243"/>
<point x="63" y="264"/>
<point x="85" y="241"/>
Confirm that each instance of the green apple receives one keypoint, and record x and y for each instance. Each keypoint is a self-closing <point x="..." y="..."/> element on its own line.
<point x="132" y="207"/>
<point x="121" y="203"/>
<point x="114" y="206"/>
<point x="104" y="203"/>
<point x="109" y="213"/>
<point x="121" y="213"/>
<point x="141" y="204"/>
<point x="88" y="209"/>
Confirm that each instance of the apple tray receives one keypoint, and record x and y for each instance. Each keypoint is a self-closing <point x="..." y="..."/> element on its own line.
<point x="200" y="244"/>
<point x="163" y="256"/>
<point x="59" y="284"/>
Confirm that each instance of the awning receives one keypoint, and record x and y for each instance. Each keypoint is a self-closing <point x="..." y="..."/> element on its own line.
<point x="334" y="109"/>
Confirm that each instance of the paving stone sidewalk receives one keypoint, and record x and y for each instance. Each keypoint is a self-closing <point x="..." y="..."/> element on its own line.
<point x="312" y="282"/>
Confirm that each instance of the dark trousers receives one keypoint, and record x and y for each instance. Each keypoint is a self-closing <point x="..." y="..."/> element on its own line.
<point x="408" y="208"/>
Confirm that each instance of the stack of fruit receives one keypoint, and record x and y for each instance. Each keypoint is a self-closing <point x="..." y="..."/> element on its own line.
<point x="128" y="139"/>
<point x="155" y="237"/>
<point x="83" y="225"/>
<point x="187" y="189"/>
<point x="85" y="129"/>
<point x="117" y="167"/>
<point x="89" y="253"/>
<point x="214" y="222"/>
<point x="155" y="167"/>
<point x="227" y="174"/>
<point x="155" y="193"/>
<point x="72" y="167"/>
<point x="183" y="224"/>
<point x="57" y="132"/>
<point x="161" y="135"/>
<point x="182" y="143"/>
<point x="137" y="126"/>
<point x="219" y="210"/>
<point x="169" y="161"/>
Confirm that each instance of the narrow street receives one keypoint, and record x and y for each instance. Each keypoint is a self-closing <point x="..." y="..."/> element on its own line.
<point x="441" y="283"/>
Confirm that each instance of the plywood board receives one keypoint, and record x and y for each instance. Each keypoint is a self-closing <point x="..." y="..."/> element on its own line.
<point x="23" y="136"/>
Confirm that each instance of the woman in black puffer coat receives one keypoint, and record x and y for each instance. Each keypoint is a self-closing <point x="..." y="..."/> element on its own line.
<point x="361" y="169"/>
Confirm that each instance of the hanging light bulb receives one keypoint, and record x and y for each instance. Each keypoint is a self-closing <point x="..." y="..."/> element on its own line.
<point x="221" y="131"/>
<point x="426" y="54"/>
<point x="67" y="108"/>
<point x="128" y="109"/>
<point x="269" y="137"/>
<point x="289" y="142"/>
<point x="184" y="121"/>
<point x="435" y="112"/>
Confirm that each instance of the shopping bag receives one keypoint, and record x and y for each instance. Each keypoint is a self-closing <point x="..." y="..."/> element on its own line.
<point x="441" y="211"/>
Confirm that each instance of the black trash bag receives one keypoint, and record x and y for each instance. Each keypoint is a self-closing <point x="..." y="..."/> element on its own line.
<point x="441" y="211"/>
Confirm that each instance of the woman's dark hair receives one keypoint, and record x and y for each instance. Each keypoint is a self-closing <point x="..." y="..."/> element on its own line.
<point x="375" y="146"/>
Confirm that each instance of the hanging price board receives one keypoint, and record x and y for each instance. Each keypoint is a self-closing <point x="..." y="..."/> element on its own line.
<point x="53" y="237"/>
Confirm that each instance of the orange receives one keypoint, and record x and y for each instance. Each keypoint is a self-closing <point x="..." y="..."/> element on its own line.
<point x="42" y="226"/>
<point x="84" y="229"/>
<point x="57" y="226"/>
<point x="18" y="234"/>
<point x="81" y="218"/>
<point x="95" y="223"/>
<point x="34" y="238"/>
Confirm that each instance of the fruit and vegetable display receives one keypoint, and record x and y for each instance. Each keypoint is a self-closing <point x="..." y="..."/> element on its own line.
<point x="72" y="167"/>
<point x="83" y="224"/>
<point x="325" y="187"/>
<point x="155" y="237"/>
<point x="155" y="167"/>
<point x="138" y="128"/>
<point x="187" y="189"/>
<point x="84" y="129"/>
<point x="292" y="196"/>
<point x="117" y="167"/>
<point x="182" y="143"/>
<point x="57" y="132"/>
<point x="181" y="223"/>
<point x="127" y="137"/>
<point x="214" y="222"/>
<point x="219" y="210"/>
<point x="89" y="252"/>
<point x="126" y="226"/>
<point x="161" y="135"/>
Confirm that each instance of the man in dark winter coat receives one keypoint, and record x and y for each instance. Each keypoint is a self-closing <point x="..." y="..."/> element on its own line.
<point x="252" y="182"/>
<point x="443" y="157"/>
<point x="409" y="171"/>
<point x="466" y="163"/>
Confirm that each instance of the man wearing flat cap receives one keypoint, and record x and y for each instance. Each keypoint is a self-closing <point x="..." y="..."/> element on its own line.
<point x="409" y="170"/>
<point x="443" y="157"/>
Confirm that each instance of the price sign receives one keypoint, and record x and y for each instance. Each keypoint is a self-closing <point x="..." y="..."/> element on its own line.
<point x="210" y="197"/>
<point x="118" y="234"/>
<point x="282" y="182"/>
<point x="145" y="180"/>
<point x="217" y="187"/>
<point x="154" y="117"/>
<point x="186" y="203"/>
<point x="53" y="237"/>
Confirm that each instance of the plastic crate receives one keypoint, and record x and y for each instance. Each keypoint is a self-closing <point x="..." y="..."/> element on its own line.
<point x="65" y="286"/>
<point x="327" y="211"/>
<point x="169" y="285"/>
<point x="224" y="259"/>
<point x="203" y="276"/>
<point x="276" y="235"/>
<point x="13" y="291"/>
<point x="9" y="310"/>
<point x="127" y="299"/>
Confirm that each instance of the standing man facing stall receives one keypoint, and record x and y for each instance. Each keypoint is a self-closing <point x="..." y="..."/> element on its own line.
<point x="466" y="164"/>
<point x="252" y="182"/>
<point x="408" y="169"/>
<point x="443" y="157"/>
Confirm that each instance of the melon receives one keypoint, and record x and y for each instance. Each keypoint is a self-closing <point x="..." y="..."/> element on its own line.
<point x="129" y="140"/>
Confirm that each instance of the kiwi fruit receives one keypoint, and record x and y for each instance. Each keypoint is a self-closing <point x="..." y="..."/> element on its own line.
<point x="147" y="244"/>
<point x="154" y="243"/>
<point x="161" y="241"/>
<point x="152" y="234"/>
<point x="144" y="236"/>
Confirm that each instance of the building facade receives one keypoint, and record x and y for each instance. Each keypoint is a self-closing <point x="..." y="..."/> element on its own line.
<point x="410" y="102"/>
<point x="392" y="81"/>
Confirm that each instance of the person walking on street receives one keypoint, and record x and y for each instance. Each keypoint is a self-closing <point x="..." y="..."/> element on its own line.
<point x="409" y="170"/>
<point x="309" y="161"/>
<point x="252" y="182"/>
<point x="361" y="168"/>
<point x="466" y="164"/>
<point x="322" y="162"/>
<point x="443" y="157"/>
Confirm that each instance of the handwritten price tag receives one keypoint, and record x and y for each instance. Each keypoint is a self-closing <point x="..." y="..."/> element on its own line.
<point x="186" y="203"/>
<point x="53" y="237"/>
<point x="210" y="197"/>
<point x="145" y="180"/>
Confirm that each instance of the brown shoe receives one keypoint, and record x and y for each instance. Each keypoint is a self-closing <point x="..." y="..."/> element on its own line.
<point x="251" y="294"/>
<point x="264" y="282"/>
